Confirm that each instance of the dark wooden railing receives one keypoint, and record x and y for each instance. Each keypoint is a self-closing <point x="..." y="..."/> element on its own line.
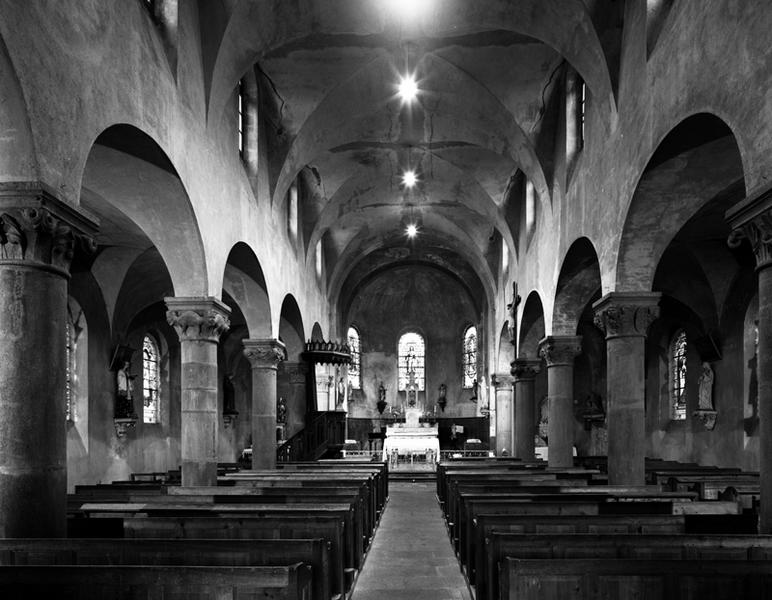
<point x="323" y="430"/>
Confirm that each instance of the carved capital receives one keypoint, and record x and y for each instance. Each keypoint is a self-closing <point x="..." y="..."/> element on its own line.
<point x="264" y="354"/>
<point x="525" y="369"/>
<point x="198" y="319"/>
<point x="502" y="381"/>
<point x="560" y="350"/>
<point x="37" y="229"/>
<point x="751" y="219"/>
<point x="623" y="314"/>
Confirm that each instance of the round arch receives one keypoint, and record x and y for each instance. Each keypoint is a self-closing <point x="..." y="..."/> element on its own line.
<point x="579" y="284"/>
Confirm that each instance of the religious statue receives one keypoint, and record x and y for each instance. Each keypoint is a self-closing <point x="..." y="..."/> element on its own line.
<point x="512" y="308"/>
<point x="706" y="387"/>
<point x="281" y="410"/>
<point x="124" y="407"/>
<point x="442" y="401"/>
<point x="381" y="398"/>
<point x="340" y="393"/>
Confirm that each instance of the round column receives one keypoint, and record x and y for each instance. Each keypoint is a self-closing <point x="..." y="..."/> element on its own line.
<point x="199" y="323"/>
<point x="559" y="353"/>
<point x="502" y="384"/>
<point x="38" y="235"/>
<point x="524" y="372"/>
<point x="625" y="318"/>
<point x="264" y="356"/>
<point x="751" y="219"/>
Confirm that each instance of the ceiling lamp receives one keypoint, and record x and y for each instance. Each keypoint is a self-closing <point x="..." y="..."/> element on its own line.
<point x="409" y="9"/>
<point x="409" y="179"/>
<point x="411" y="230"/>
<point x="408" y="88"/>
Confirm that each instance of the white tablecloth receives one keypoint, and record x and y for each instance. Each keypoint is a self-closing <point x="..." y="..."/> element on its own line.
<point x="406" y="445"/>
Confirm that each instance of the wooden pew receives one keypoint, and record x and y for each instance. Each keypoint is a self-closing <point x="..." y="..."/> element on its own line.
<point x="288" y="527"/>
<point x="89" y="582"/>
<point x="473" y="506"/>
<point x="588" y="579"/>
<point x="610" y="546"/>
<point x="175" y="552"/>
<point x="353" y="546"/>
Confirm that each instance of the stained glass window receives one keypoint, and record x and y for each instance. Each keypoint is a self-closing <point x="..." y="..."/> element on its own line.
<point x="678" y="376"/>
<point x="411" y="352"/>
<point x="355" y="368"/>
<point x="241" y="109"/>
<point x="69" y="353"/>
<point x="150" y="380"/>
<point x="470" y="356"/>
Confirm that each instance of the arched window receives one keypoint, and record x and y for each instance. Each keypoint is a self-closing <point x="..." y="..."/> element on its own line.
<point x="292" y="212"/>
<point x="69" y="352"/>
<point x="319" y="259"/>
<point x="355" y="368"/>
<point x="678" y="376"/>
<point x="576" y="97"/>
<point x="470" y="356"/>
<point x="150" y="380"/>
<point x="242" y="109"/>
<point x="76" y="361"/>
<point x="411" y="352"/>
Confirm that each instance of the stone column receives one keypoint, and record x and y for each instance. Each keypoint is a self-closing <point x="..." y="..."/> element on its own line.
<point x="559" y="352"/>
<point x="751" y="219"/>
<point x="625" y="318"/>
<point x="264" y="356"/>
<point x="199" y="323"/>
<point x="502" y="384"/>
<point x="524" y="372"/>
<point x="38" y="237"/>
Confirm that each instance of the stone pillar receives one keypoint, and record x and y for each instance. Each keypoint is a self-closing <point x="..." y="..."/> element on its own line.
<point x="751" y="219"/>
<point x="38" y="237"/>
<point x="559" y="352"/>
<point x="502" y="384"/>
<point x="199" y="323"/>
<point x="264" y="356"/>
<point x="524" y="372"/>
<point x="625" y="318"/>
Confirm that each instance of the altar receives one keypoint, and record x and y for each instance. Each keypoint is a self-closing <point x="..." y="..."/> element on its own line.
<point x="411" y="438"/>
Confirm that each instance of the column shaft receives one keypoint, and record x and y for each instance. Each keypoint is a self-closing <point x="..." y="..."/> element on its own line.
<point x="38" y="237"/>
<point x="559" y="353"/>
<point x="199" y="322"/>
<point x="264" y="356"/>
<point x="502" y="384"/>
<point x="626" y="318"/>
<point x="525" y="372"/>
<point x="625" y="413"/>
<point x="33" y="452"/>
<point x="263" y="418"/>
<point x="764" y="371"/>
<point x="200" y="423"/>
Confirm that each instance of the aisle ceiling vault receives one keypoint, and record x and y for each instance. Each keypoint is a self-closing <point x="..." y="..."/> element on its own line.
<point x="485" y="119"/>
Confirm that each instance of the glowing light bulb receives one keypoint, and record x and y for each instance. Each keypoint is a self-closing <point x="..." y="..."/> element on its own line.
<point x="409" y="179"/>
<point x="411" y="230"/>
<point x="408" y="88"/>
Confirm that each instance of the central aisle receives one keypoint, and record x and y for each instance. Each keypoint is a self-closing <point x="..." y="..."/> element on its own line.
<point x="411" y="556"/>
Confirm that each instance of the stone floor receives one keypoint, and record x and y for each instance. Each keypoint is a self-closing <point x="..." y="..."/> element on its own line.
<point x="411" y="556"/>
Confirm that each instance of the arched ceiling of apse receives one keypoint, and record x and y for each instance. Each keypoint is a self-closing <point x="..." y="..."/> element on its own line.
<point x="125" y="192"/>
<point x="667" y="196"/>
<point x="254" y="28"/>
<point x="579" y="281"/>
<point x="364" y="112"/>
<point x="431" y="254"/>
<point x="366" y="242"/>
<point x="376" y="183"/>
